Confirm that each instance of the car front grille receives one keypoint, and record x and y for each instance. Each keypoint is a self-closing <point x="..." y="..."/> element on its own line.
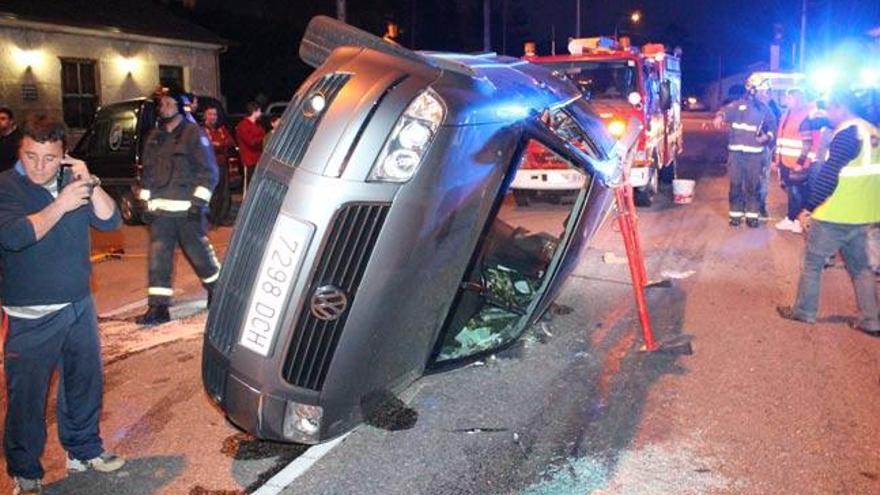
<point x="298" y="124"/>
<point x="241" y="266"/>
<point x="346" y="254"/>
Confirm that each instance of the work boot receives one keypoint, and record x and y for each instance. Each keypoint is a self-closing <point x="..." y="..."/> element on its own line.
<point x="155" y="315"/>
<point x="788" y="313"/>
<point x="26" y="486"/>
<point x="104" y="463"/>
<point x="735" y="221"/>
<point x="753" y="223"/>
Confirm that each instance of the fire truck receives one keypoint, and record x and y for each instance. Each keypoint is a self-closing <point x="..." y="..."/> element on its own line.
<point x="621" y="82"/>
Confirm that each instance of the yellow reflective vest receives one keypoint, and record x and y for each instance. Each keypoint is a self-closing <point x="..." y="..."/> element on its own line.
<point x="856" y="199"/>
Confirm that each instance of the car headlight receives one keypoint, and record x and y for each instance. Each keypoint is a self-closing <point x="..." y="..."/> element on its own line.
<point x="617" y="128"/>
<point x="410" y="139"/>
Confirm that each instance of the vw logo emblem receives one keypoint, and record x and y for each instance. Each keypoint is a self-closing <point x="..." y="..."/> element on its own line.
<point x="328" y="303"/>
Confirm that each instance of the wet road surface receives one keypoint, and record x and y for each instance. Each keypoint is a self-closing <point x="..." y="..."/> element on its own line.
<point x="763" y="406"/>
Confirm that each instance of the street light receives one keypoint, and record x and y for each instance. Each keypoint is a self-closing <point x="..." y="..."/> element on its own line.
<point x="634" y="18"/>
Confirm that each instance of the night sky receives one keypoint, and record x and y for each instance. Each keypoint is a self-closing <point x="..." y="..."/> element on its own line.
<point x="729" y="34"/>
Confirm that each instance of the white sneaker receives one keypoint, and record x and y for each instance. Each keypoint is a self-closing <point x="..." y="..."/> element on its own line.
<point x="26" y="486"/>
<point x="797" y="228"/>
<point x="786" y="224"/>
<point x="104" y="463"/>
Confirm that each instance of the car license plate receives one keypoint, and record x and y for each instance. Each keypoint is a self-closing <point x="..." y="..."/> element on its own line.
<point x="278" y="271"/>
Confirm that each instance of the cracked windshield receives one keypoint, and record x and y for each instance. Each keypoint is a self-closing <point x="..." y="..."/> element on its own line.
<point x="516" y="255"/>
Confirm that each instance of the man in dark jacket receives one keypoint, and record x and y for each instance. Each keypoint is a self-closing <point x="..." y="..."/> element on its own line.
<point x="10" y="137"/>
<point x="44" y="256"/>
<point x="180" y="173"/>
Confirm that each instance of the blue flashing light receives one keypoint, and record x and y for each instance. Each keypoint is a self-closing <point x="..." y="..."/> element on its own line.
<point x="869" y="77"/>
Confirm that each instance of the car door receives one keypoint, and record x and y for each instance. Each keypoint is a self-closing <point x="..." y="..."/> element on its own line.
<point x="525" y="253"/>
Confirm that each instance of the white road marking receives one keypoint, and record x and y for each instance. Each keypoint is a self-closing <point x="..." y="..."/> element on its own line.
<point x="303" y="463"/>
<point x="298" y="467"/>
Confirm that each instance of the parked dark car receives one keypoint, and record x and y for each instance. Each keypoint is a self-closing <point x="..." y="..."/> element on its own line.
<point x="381" y="238"/>
<point x="113" y="144"/>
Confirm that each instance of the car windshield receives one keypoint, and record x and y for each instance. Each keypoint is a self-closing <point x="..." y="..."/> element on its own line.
<point x="612" y="79"/>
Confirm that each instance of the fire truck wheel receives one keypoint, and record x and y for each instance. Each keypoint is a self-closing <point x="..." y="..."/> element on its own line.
<point x="521" y="197"/>
<point x="643" y="196"/>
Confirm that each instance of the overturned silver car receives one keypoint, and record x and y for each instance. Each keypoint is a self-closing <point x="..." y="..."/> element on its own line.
<point x="380" y="236"/>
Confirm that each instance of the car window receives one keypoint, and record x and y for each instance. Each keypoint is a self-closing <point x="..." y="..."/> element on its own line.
<point x="513" y="264"/>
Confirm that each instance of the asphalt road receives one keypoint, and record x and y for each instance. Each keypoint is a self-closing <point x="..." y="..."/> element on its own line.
<point x="764" y="405"/>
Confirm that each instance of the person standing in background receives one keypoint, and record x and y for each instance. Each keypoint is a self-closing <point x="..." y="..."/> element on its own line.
<point x="10" y="137"/>
<point x="249" y="135"/>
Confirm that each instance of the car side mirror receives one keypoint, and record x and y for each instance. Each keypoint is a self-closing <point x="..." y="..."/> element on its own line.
<point x="665" y="95"/>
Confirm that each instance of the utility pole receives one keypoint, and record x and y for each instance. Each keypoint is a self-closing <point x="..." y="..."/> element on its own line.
<point x="577" y="19"/>
<point x="487" y="25"/>
<point x="412" y="25"/>
<point x="340" y="10"/>
<point x="803" y="34"/>
<point x="504" y="27"/>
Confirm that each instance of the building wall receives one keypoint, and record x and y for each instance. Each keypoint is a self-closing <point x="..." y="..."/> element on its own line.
<point x="125" y="69"/>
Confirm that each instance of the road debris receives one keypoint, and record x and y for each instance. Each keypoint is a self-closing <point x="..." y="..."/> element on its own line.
<point x="677" y="275"/>
<point x="610" y="258"/>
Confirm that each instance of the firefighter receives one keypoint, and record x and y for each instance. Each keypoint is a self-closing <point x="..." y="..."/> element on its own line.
<point x="752" y="128"/>
<point x="796" y="147"/>
<point x="180" y="173"/>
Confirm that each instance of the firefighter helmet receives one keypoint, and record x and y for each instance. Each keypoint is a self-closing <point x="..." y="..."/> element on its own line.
<point x="757" y="82"/>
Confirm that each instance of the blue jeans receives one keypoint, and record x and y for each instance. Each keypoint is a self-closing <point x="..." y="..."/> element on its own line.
<point x="68" y="339"/>
<point x="823" y="240"/>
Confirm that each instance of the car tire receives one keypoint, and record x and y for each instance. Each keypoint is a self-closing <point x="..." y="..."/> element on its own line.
<point x="521" y="197"/>
<point x="221" y="202"/>
<point x="129" y="209"/>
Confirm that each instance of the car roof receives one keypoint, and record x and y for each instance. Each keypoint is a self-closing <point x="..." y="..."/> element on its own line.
<point x="486" y="88"/>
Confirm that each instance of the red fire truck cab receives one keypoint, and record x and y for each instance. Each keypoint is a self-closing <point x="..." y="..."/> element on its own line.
<point x="622" y="82"/>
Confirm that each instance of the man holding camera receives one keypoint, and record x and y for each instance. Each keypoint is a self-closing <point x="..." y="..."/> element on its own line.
<point x="47" y="203"/>
<point x="180" y="173"/>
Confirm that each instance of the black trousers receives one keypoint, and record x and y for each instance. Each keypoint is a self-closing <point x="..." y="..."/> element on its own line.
<point x="745" y="172"/>
<point x="67" y="339"/>
<point x="165" y="234"/>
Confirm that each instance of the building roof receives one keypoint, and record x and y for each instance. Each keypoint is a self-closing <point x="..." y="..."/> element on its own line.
<point x="136" y="17"/>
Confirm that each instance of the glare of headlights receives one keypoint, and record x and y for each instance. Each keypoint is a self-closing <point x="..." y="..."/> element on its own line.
<point x="616" y="128"/>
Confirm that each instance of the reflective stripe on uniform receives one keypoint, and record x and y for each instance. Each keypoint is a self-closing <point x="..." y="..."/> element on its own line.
<point x="213" y="278"/>
<point x="174" y="205"/>
<point x="790" y="143"/>
<point x="742" y="126"/>
<point x="203" y="193"/>
<point x="752" y="215"/>
<point x="160" y="291"/>
<point x="736" y="214"/>
<point x="144" y="194"/>
<point x="745" y="148"/>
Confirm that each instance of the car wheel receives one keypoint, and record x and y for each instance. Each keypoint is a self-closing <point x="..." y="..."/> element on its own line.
<point x="128" y="208"/>
<point x="221" y="204"/>
<point x="521" y="197"/>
